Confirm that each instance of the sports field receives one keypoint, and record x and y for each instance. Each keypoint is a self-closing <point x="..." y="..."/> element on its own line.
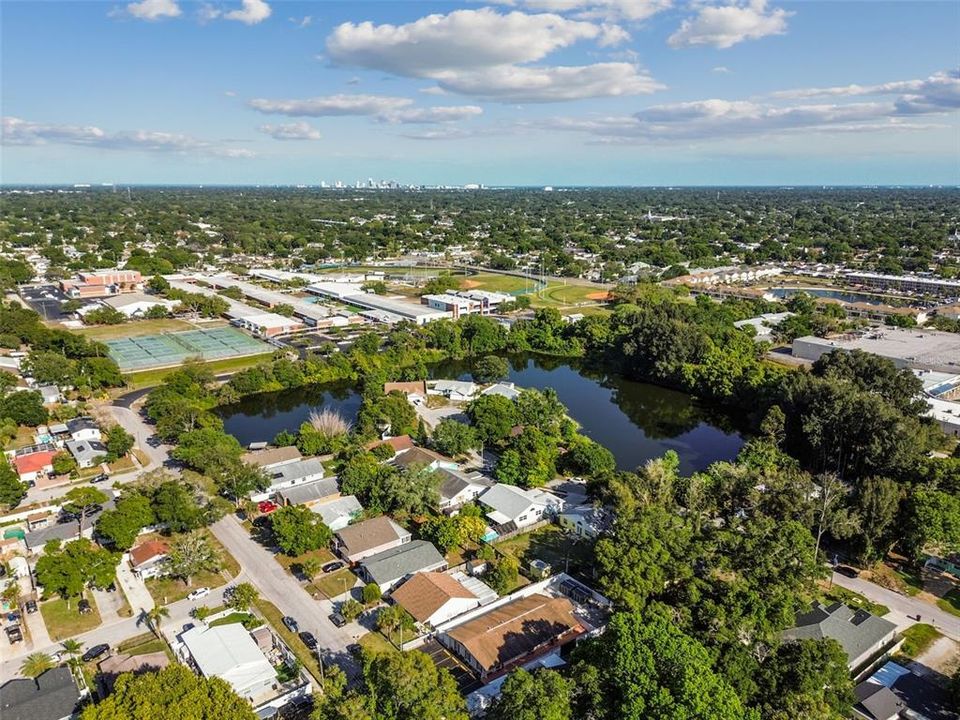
<point x="151" y="351"/>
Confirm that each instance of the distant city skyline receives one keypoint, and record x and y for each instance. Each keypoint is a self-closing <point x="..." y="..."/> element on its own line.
<point x="505" y="93"/>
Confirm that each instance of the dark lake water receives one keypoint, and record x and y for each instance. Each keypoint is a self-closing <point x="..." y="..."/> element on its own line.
<point x="636" y="421"/>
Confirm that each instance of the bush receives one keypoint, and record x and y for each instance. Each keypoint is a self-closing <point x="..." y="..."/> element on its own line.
<point x="371" y="593"/>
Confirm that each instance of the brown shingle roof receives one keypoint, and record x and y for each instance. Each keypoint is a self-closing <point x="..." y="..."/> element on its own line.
<point x="415" y="386"/>
<point x="401" y="442"/>
<point x="271" y="456"/>
<point x="419" y="456"/>
<point x="513" y="630"/>
<point x="368" y="534"/>
<point x="425" y="593"/>
<point x="142" y="553"/>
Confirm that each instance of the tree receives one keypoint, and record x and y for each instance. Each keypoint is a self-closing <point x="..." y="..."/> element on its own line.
<point x="153" y="617"/>
<point x="806" y="673"/>
<point x="588" y="458"/>
<point x="311" y="567"/>
<point x="298" y="530"/>
<point x="175" y="506"/>
<point x="68" y="569"/>
<point x="540" y="695"/>
<point x="504" y="574"/>
<point x="119" y="443"/>
<point x="530" y="461"/>
<point x="443" y="531"/>
<point x="409" y="686"/>
<point x="351" y="609"/>
<point x="932" y="523"/>
<point x="394" y="619"/>
<point x="831" y="514"/>
<point x="207" y="448"/>
<point x="490" y="368"/>
<point x="243" y="596"/>
<point x="193" y="553"/>
<point x="454" y="438"/>
<point x="121" y="526"/>
<point x="36" y="664"/>
<point x="877" y="504"/>
<point x="73" y="648"/>
<point x="63" y="463"/>
<point x="173" y="693"/>
<point x="80" y="500"/>
<point x="12" y="491"/>
<point x="371" y="593"/>
<point x="12" y="594"/>
<point x="493" y="416"/>
<point x="238" y="480"/>
<point x="24" y="408"/>
<point x="646" y="668"/>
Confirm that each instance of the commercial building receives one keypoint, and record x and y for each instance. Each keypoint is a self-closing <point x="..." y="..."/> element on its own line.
<point x="391" y="567"/>
<point x="863" y="636"/>
<point x="453" y="304"/>
<point x="133" y="305"/>
<point x="907" y="283"/>
<point x="252" y="319"/>
<point x="102" y="283"/>
<point x="352" y="294"/>
<point x="913" y="348"/>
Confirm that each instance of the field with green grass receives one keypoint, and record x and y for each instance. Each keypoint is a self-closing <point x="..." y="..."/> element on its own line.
<point x="499" y="283"/>
<point x="917" y="638"/>
<point x="376" y="643"/>
<point x="566" y="294"/>
<point x="149" y="378"/>
<point x="950" y="602"/>
<point x="552" y="545"/>
<point x="144" y="645"/>
<point x="336" y="583"/>
<point x="65" y="622"/>
<point x="134" y="328"/>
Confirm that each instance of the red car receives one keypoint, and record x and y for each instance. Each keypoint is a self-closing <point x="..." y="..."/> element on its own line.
<point x="267" y="507"/>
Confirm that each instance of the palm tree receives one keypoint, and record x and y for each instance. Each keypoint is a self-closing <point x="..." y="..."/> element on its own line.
<point x="73" y="648"/>
<point x="312" y="567"/>
<point x="154" y="617"/>
<point x="12" y="594"/>
<point x="36" y="664"/>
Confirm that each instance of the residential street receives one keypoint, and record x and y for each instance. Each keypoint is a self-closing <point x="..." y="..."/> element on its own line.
<point x="903" y="605"/>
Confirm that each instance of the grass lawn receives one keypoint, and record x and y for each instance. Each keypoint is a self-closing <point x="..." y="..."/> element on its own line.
<point x="375" y="642"/>
<point x="918" y="638"/>
<point x="558" y="293"/>
<point x="144" y="645"/>
<point x="856" y="600"/>
<point x="249" y="621"/>
<point x="122" y="465"/>
<point x="292" y="564"/>
<point x="499" y="283"/>
<point x="336" y="583"/>
<point x="273" y="616"/>
<point x="134" y="328"/>
<point x="552" y="545"/>
<point x="65" y="622"/>
<point x="950" y="602"/>
<point x="166" y="590"/>
<point x="149" y="378"/>
<point x="23" y="438"/>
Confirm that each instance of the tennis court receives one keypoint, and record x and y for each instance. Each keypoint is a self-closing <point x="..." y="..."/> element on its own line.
<point x="152" y="351"/>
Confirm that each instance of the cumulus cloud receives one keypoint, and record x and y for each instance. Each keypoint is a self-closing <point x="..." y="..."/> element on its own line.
<point x="726" y="25"/>
<point x="940" y="90"/>
<point x="291" y="131"/>
<point x="16" y="131"/>
<point x="251" y="12"/>
<point x="486" y="54"/>
<point x="385" y="108"/>
<point x="153" y="9"/>
<point x="512" y="83"/>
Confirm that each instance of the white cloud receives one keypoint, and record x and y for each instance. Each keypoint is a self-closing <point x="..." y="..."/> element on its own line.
<point x="153" y="9"/>
<point x="251" y="12"/>
<point x="385" y="108"/>
<point x="726" y="25"/>
<point x="629" y="10"/>
<point x="303" y="22"/>
<point x="721" y="70"/>
<point x="512" y="83"/>
<point x="940" y="90"/>
<point x="16" y="131"/>
<point x="291" y="131"/>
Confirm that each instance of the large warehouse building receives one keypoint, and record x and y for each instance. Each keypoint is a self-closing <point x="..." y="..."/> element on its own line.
<point x="913" y="348"/>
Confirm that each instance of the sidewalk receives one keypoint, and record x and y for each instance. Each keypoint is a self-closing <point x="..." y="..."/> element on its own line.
<point x="133" y="587"/>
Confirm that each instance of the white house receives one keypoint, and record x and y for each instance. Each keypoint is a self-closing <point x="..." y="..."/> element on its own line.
<point x="456" y="390"/>
<point x="337" y="514"/>
<point x="228" y="652"/>
<point x="432" y="598"/>
<point x="289" y="475"/>
<point x="87" y="453"/>
<point x="511" y="507"/>
<point x="150" y="559"/>
<point x="584" y="521"/>
<point x="458" y="488"/>
<point x="507" y="389"/>
<point x="83" y="428"/>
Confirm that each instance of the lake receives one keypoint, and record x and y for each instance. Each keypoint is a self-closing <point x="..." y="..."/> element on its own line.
<point x="635" y="421"/>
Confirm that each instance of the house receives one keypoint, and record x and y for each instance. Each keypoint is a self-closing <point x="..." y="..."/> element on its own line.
<point x="149" y="559"/>
<point x="455" y="390"/>
<point x="39" y="520"/>
<point x="506" y="389"/>
<point x="356" y="542"/>
<point x="862" y="635"/>
<point x="228" y="652"/>
<point x="50" y="394"/>
<point x="338" y="513"/>
<point x="424" y="459"/>
<point x="310" y="493"/>
<point x="512" y="508"/>
<point x="876" y="702"/>
<point x="290" y="474"/>
<point x="918" y="698"/>
<point x="398" y="443"/>
<point x="10" y="365"/>
<point x="585" y="521"/>
<point x="391" y="567"/>
<point x="66" y="531"/>
<point x="416" y="390"/>
<point x="83" y="428"/>
<point x="116" y="665"/>
<point x="513" y="633"/>
<point x="52" y="696"/>
<point x="458" y="488"/>
<point x="272" y="457"/>
<point x="32" y="466"/>
<point x="432" y="598"/>
<point x="87" y="453"/>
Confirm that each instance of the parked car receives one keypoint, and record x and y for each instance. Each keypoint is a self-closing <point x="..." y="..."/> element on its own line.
<point x="309" y="640"/>
<point x="84" y="606"/>
<point x="850" y="572"/>
<point x="13" y="616"/>
<point x="266" y="507"/>
<point x="31" y="606"/>
<point x="332" y="566"/>
<point x="100" y="478"/>
<point x="354" y="649"/>
<point x="291" y="624"/>
<point x="338" y="619"/>
<point x="14" y="634"/>
<point x="201" y="592"/>
<point x="95" y="652"/>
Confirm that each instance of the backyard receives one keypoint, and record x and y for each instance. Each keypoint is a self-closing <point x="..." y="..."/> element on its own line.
<point x="168" y="589"/>
<point x="917" y="639"/>
<point x="65" y="620"/>
<point x="335" y="584"/>
<point x="564" y="552"/>
<point x="144" y="645"/>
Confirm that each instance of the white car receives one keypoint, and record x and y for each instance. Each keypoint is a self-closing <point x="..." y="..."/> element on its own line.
<point x="199" y="593"/>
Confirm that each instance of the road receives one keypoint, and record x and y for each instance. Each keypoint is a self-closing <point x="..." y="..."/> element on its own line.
<point x="903" y="606"/>
<point x="112" y="632"/>
<point x="277" y="586"/>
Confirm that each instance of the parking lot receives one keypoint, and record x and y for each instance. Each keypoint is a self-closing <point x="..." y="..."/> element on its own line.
<point x="466" y="681"/>
<point x="46" y="300"/>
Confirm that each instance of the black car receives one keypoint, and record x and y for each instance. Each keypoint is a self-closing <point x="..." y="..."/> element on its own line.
<point x="95" y="652"/>
<point x="847" y="570"/>
<point x="331" y="566"/>
<point x="338" y="619"/>
<point x="67" y="517"/>
<point x="290" y="623"/>
<point x="100" y="478"/>
<point x="84" y="606"/>
<point x="309" y="640"/>
<point x="31" y="606"/>
<point x="92" y="510"/>
<point x="14" y="634"/>
<point x="354" y="649"/>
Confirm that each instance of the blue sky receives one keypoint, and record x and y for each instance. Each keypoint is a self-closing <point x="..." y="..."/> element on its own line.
<point x="636" y="92"/>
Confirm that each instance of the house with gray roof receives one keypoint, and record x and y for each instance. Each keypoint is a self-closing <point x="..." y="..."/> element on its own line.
<point x="876" y="702"/>
<point x="338" y="513"/>
<point x="52" y="696"/>
<point x="506" y="389"/>
<point x="65" y="531"/>
<point x="87" y="453"/>
<point x="456" y="390"/>
<point x="457" y="488"/>
<point x="512" y="508"/>
<point x="309" y="493"/>
<point x="862" y="635"/>
<point x="290" y="475"/>
<point x="391" y="567"/>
